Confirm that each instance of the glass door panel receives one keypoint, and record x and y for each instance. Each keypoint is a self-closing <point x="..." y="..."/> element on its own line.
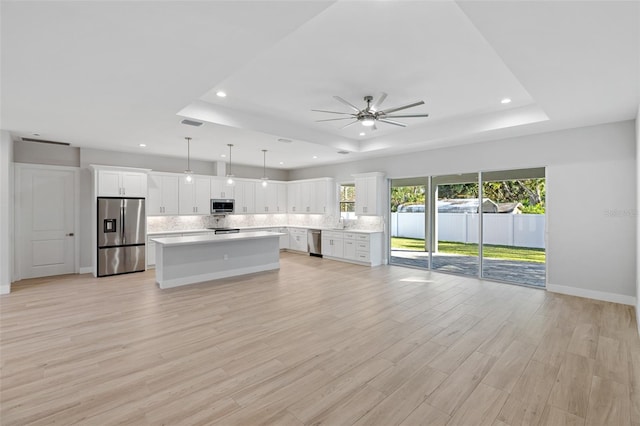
<point x="408" y="223"/>
<point x="513" y="225"/>
<point x="455" y="224"/>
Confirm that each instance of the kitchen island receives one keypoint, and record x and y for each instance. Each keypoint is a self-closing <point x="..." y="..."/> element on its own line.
<point x="193" y="259"/>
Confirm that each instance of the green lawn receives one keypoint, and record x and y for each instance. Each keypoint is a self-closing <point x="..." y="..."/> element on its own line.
<point x="490" y="251"/>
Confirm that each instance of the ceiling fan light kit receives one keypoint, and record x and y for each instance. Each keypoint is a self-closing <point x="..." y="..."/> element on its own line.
<point x="369" y="115"/>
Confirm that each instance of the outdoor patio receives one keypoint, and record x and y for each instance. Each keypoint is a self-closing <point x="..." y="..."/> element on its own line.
<point x="530" y="273"/>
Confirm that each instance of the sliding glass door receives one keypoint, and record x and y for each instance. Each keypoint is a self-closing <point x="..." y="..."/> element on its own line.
<point x="409" y="222"/>
<point x="487" y="224"/>
<point x="513" y="245"/>
<point x="455" y="224"/>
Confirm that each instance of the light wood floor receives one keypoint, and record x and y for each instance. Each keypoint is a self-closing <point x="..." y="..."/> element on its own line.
<point x="318" y="342"/>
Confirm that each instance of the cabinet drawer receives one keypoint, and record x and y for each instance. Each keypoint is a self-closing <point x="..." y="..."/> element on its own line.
<point x="362" y="246"/>
<point x="349" y="235"/>
<point x="362" y="256"/>
<point x="332" y="235"/>
<point x="362" y="237"/>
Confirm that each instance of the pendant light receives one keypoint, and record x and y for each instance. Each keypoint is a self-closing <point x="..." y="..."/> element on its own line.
<point x="264" y="168"/>
<point x="188" y="172"/>
<point x="229" y="174"/>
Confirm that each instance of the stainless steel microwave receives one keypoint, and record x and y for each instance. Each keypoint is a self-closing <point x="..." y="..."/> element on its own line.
<point x="221" y="206"/>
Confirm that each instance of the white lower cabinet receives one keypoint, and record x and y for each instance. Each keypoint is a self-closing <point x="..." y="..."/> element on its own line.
<point x="332" y="244"/>
<point x="357" y="247"/>
<point x="298" y="239"/>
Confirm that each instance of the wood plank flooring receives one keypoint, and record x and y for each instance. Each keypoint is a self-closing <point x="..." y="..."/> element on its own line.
<point x="317" y="342"/>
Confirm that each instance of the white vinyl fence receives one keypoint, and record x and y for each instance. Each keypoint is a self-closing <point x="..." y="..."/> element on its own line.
<point x="520" y="230"/>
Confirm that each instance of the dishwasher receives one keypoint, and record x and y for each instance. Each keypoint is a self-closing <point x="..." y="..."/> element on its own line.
<point x="314" y="242"/>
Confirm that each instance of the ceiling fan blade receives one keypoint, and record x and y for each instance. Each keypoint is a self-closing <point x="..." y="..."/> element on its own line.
<point x="395" y="123"/>
<point x="379" y="101"/>
<point x="334" y="119"/>
<point x="387" y="111"/>
<point x="406" y="116"/>
<point x="349" y="124"/>
<point x="339" y="99"/>
<point x="331" y="112"/>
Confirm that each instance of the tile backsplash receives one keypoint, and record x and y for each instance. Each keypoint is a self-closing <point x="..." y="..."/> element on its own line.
<point x="183" y="223"/>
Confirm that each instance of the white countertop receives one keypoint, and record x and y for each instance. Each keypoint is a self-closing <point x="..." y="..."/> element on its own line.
<point x="191" y="231"/>
<point x="213" y="238"/>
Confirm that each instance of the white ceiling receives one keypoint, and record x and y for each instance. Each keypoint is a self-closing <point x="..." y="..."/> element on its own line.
<point x="112" y="75"/>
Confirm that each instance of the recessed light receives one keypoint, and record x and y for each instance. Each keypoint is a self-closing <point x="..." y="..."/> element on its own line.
<point x="143" y="145"/>
<point x="221" y="94"/>
<point x="505" y="101"/>
<point x="362" y="133"/>
<point x="223" y="155"/>
<point x="315" y="156"/>
<point x="282" y="162"/>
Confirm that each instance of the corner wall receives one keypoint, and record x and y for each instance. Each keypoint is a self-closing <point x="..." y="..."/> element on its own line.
<point x="6" y="212"/>
<point x="591" y="197"/>
<point x="638" y="219"/>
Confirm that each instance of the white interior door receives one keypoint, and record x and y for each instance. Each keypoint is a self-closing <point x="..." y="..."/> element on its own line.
<point x="47" y="221"/>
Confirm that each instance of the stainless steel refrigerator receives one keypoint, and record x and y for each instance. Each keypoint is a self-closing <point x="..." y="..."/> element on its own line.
<point x="121" y="235"/>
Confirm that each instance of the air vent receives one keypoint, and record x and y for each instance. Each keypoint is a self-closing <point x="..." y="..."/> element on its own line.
<point x="283" y="140"/>
<point x="343" y="152"/>
<point x="45" y="141"/>
<point x="191" y="123"/>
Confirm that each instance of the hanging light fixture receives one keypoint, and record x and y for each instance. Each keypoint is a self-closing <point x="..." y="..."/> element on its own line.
<point x="188" y="172"/>
<point x="229" y="174"/>
<point x="264" y="168"/>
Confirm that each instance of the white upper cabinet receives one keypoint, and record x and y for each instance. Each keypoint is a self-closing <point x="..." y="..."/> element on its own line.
<point x="220" y="189"/>
<point x="163" y="194"/>
<point x="271" y="198"/>
<point x="315" y="196"/>
<point x="369" y="194"/>
<point x="195" y="195"/>
<point x="120" y="181"/>
<point x="245" y="196"/>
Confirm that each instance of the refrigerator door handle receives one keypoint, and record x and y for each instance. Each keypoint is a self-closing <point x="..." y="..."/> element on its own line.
<point x="122" y="227"/>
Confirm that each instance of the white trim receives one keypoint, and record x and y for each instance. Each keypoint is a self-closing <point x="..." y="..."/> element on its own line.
<point x="177" y="282"/>
<point x="85" y="270"/>
<point x="592" y="294"/>
<point x="17" y="206"/>
<point x="5" y="289"/>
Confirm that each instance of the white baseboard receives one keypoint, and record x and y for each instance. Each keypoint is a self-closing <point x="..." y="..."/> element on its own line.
<point x="592" y="294"/>
<point x="5" y="289"/>
<point x="86" y="270"/>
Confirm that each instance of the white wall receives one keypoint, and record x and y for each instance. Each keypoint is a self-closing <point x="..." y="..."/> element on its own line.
<point x="40" y="153"/>
<point x="6" y="212"/>
<point x="589" y="168"/>
<point x="638" y="219"/>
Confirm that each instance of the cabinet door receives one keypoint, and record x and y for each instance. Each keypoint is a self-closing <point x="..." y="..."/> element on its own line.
<point x="154" y="198"/>
<point x="202" y="195"/>
<point x="307" y="197"/>
<point x="272" y="197"/>
<point x="293" y="198"/>
<point x="187" y="196"/>
<point x="261" y="199"/>
<point x="320" y="197"/>
<point x="281" y="206"/>
<point x="245" y="193"/>
<point x="151" y="253"/>
<point x="134" y="184"/>
<point x="170" y="195"/>
<point x="327" y="248"/>
<point x="361" y="196"/>
<point x="350" y="249"/>
<point x="220" y="189"/>
<point x="109" y="183"/>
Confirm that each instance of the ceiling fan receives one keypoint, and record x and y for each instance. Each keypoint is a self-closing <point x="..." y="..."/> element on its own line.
<point x="371" y="113"/>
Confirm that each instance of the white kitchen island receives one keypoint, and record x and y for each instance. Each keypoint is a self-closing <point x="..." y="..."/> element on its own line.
<point x="194" y="259"/>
